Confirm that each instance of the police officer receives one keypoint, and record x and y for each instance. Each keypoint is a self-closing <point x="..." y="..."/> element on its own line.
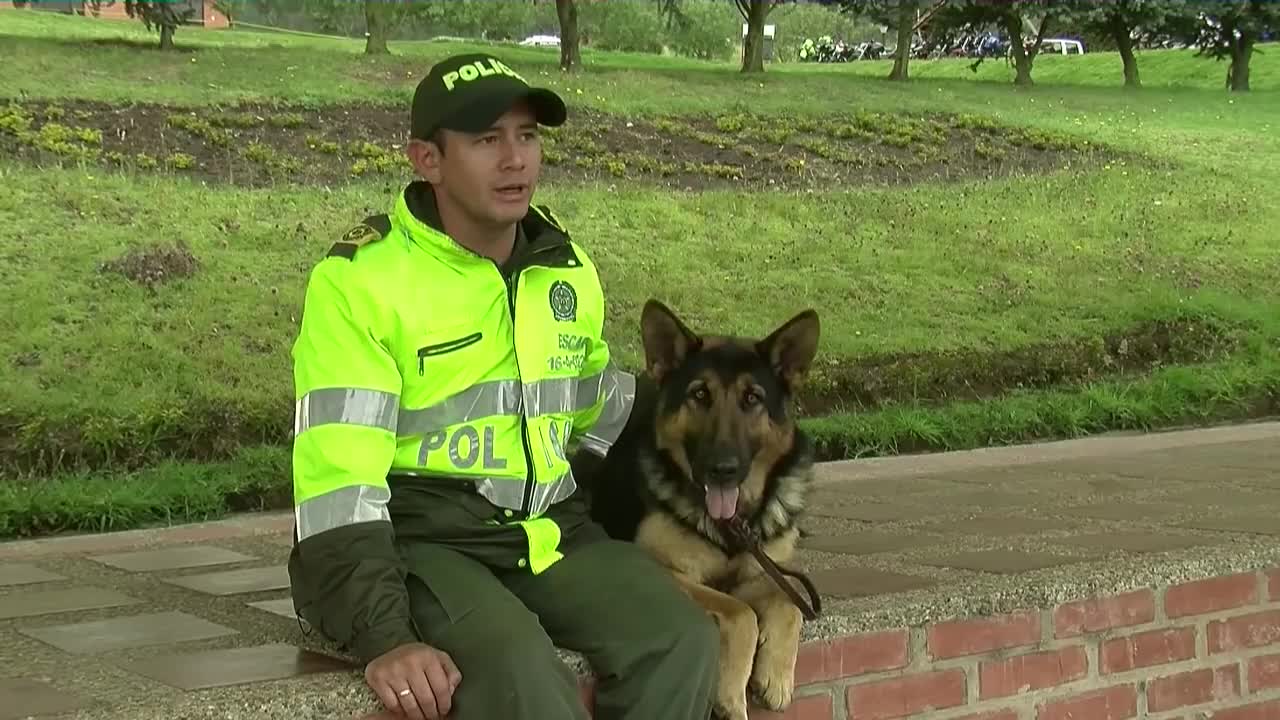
<point x="450" y="362"/>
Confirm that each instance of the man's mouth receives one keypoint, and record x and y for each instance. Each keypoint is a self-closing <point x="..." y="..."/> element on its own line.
<point x="511" y="192"/>
<point x="722" y="502"/>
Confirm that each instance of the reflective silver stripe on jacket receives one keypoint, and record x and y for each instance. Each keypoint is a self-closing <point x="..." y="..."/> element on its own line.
<point x="341" y="507"/>
<point x="618" y="390"/>
<point x="509" y="492"/>
<point x="496" y="397"/>
<point x="506" y="397"/>
<point x="352" y="406"/>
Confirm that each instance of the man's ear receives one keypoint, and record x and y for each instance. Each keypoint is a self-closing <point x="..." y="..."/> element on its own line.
<point x="791" y="348"/>
<point x="667" y="341"/>
<point x="424" y="156"/>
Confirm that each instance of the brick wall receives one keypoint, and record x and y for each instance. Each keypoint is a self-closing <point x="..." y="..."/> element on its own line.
<point x="1203" y="650"/>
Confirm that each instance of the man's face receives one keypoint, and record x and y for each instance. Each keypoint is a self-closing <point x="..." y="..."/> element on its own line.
<point x="489" y="175"/>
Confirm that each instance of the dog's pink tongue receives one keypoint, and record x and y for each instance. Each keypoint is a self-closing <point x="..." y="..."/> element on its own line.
<point x="722" y="502"/>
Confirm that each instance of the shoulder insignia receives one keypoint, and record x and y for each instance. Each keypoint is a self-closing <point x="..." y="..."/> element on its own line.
<point x="372" y="228"/>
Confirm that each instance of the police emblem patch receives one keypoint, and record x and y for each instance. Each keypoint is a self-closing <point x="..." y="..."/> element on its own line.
<point x="360" y="234"/>
<point x="564" y="301"/>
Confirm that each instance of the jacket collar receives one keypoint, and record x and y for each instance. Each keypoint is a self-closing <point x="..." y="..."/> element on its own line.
<point x="537" y="238"/>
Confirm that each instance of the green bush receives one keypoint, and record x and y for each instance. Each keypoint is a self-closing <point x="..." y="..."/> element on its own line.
<point x="707" y="30"/>
<point x="626" y="26"/>
<point x="487" y="19"/>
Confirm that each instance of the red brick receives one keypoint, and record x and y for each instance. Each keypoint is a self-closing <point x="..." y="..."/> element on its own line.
<point x="905" y="696"/>
<point x="1273" y="584"/>
<point x="1264" y="673"/>
<point x="1244" y="631"/>
<point x="1146" y="649"/>
<point x="1113" y="703"/>
<point x="1193" y="688"/>
<point x="849" y="656"/>
<point x="808" y="707"/>
<point x="1269" y="710"/>
<point x="1212" y="595"/>
<point x="1001" y="678"/>
<point x="992" y="715"/>
<point x="1097" y="614"/>
<point x="966" y="637"/>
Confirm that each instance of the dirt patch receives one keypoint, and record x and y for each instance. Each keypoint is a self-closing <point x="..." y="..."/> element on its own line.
<point x="257" y="145"/>
<point x="940" y="378"/>
<point x="151" y="266"/>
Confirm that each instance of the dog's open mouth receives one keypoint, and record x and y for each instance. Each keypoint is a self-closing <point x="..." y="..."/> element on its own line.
<point x="722" y="501"/>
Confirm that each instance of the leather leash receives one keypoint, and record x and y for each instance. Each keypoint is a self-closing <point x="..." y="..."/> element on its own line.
<point x="740" y="534"/>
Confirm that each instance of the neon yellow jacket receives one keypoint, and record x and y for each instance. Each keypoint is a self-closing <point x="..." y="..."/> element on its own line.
<point x="419" y="358"/>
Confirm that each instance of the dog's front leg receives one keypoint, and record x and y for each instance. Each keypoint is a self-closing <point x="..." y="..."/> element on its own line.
<point x="774" y="669"/>
<point x="739" y="637"/>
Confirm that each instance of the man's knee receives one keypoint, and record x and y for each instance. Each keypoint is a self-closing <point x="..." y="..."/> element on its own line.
<point x="694" y="635"/>
<point x="675" y="629"/>
<point x="503" y="648"/>
<point x="510" y="669"/>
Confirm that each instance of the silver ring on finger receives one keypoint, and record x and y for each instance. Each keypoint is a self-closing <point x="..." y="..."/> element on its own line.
<point x="404" y="692"/>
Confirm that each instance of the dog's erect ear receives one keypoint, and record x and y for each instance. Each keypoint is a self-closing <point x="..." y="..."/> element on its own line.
<point x="791" y="348"/>
<point x="667" y="341"/>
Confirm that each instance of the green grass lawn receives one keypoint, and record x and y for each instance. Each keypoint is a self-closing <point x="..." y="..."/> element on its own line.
<point x="1136" y="292"/>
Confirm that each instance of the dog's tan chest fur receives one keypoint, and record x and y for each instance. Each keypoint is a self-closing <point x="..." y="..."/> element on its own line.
<point x="689" y="554"/>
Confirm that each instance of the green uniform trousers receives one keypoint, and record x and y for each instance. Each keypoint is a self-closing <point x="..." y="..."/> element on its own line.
<point x="653" y="651"/>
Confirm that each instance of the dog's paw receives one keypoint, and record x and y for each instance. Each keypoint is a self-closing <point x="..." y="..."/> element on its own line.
<point x="773" y="678"/>
<point x="730" y="709"/>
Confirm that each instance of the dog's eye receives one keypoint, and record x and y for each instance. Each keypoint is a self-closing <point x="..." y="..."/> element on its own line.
<point x="752" y="398"/>
<point x="701" y="395"/>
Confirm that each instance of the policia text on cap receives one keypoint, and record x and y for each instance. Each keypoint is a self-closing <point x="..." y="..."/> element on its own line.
<point x="450" y="361"/>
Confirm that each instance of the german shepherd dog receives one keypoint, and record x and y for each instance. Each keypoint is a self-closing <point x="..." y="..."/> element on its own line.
<point x="712" y="439"/>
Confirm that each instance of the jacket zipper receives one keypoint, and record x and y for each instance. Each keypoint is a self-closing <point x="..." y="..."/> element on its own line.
<point x="526" y="502"/>
<point x="445" y="348"/>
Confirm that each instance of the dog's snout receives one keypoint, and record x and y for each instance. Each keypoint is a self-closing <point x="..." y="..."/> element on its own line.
<point x="725" y="469"/>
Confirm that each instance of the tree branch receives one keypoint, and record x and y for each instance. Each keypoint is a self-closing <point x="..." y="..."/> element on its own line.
<point x="924" y="19"/>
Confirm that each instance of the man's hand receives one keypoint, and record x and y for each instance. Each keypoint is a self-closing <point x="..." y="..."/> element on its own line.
<point x="427" y="674"/>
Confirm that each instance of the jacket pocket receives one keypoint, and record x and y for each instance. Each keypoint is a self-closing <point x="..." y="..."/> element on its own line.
<point x="444" y="348"/>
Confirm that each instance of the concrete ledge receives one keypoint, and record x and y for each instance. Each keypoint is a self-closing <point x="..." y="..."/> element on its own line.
<point x="1115" y="577"/>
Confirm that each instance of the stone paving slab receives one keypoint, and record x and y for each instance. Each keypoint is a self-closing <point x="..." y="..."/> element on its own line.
<point x="890" y="541"/>
<point x="236" y="666"/>
<point x="173" y="558"/>
<point x="29" y="603"/>
<point x="25" y="574"/>
<point x="1001" y="561"/>
<point x="29" y="697"/>
<point x="232" y="582"/>
<point x="282" y="607"/>
<point x="1137" y="541"/>
<point x="129" y="631"/>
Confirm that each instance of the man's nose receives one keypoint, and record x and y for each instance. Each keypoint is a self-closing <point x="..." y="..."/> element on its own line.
<point x="512" y="154"/>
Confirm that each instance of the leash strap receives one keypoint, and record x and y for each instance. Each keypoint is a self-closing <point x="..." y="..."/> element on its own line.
<point x="743" y="537"/>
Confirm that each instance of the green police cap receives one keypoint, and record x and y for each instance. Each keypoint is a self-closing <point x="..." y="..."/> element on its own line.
<point x="470" y="92"/>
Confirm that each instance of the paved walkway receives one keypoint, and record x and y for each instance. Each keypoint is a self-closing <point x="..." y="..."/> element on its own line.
<point x="194" y="622"/>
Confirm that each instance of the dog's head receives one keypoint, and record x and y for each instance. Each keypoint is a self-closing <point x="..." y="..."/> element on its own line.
<point x="724" y="403"/>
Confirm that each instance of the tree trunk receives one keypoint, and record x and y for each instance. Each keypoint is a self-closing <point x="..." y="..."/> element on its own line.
<point x="1238" y="73"/>
<point x="902" y="54"/>
<point x="1124" y="43"/>
<point x="166" y="37"/>
<point x="1023" y="59"/>
<point x="753" y="50"/>
<point x="375" y="24"/>
<point x="1021" y="62"/>
<point x="570" y="54"/>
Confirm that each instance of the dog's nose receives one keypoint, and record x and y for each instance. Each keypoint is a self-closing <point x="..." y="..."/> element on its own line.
<point x="726" y="469"/>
